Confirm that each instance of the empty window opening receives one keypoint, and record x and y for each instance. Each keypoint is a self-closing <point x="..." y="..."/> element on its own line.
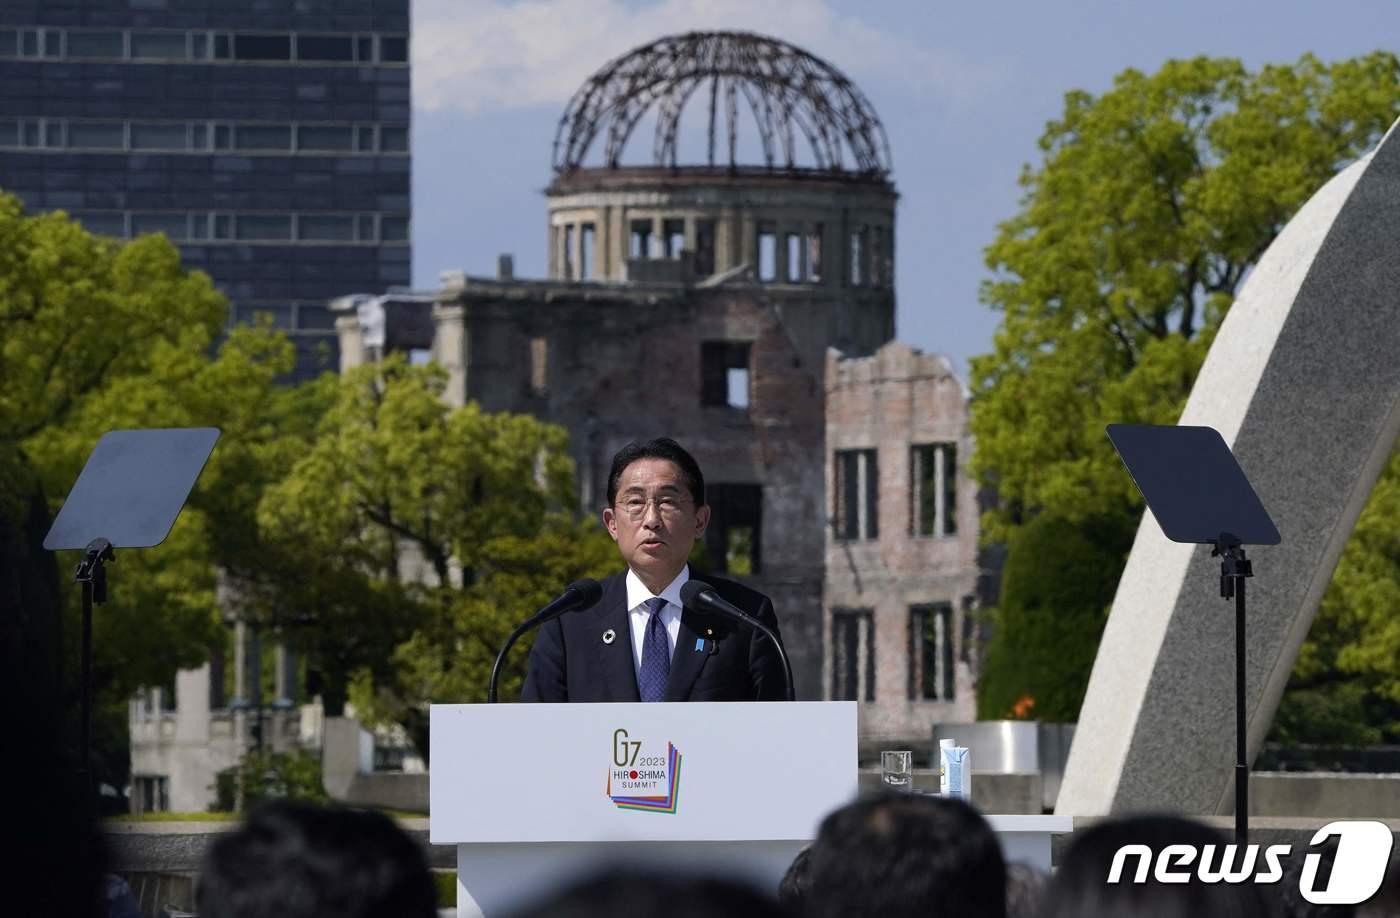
<point x="639" y="240"/>
<point x="856" y="493"/>
<point x="724" y="370"/>
<point x="767" y="253"/>
<point x="793" y="274"/>
<point x="568" y="253"/>
<point x="931" y="652"/>
<point x="704" y="248"/>
<point x="813" y="265"/>
<point x="586" y="241"/>
<point x="859" y="254"/>
<point x="674" y="233"/>
<point x="852" y="655"/>
<point x="732" y="539"/>
<point x="539" y="365"/>
<point x="933" y="489"/>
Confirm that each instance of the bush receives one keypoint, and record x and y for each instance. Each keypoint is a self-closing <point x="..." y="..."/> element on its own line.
<point x="1057" y="587"/>
<point x="266" y="776"/>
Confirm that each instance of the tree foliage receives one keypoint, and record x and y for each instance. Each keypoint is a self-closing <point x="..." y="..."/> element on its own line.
<point x="97" y="335"/>
<point x="1057" y="586"/>
<point x="425" y="532"/>
<point x="1151" y="204"/>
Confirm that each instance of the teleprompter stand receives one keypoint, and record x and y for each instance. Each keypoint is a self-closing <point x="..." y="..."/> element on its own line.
<point x="127" y="496"/>
<point x="1198" y="493"/>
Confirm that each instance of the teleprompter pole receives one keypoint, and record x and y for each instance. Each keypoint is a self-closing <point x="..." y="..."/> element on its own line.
<point x="93" y="576"/>
<point x="1234" y="569"/>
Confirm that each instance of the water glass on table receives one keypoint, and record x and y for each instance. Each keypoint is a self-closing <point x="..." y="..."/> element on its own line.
<point x="897" y="771"/>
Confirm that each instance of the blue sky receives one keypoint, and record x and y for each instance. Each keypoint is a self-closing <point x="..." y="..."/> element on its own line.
<point x="964" y="91"/>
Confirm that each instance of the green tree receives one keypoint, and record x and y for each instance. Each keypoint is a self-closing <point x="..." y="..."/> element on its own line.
<point x="1150" y="206"/>
<point x="1057" y="586"/>
<point x="1152" y="203"/>
<point x="425" y="533"/>
<point x="98" y="335"/>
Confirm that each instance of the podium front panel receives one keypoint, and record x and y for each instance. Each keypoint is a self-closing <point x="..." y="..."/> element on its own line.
<point x="700" y="771"/>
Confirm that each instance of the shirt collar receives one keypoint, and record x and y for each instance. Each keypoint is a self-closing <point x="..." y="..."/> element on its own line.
<point x="637" y="593"/>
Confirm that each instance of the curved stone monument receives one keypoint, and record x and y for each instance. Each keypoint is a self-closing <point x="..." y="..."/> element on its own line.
<point x="1303" y="382"/>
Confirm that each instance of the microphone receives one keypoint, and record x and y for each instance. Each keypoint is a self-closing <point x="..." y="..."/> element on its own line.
<point x="699" y="595"/>
<point x="580" y="594"/>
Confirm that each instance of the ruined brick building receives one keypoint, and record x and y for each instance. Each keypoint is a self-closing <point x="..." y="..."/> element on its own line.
<point x="748" y="309"/>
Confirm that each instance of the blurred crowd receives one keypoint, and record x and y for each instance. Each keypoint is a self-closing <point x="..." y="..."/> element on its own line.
<point x="896" y="856"/>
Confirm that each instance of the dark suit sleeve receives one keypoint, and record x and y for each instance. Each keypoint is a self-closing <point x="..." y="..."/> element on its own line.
<point x="546" y="677"/>
<point x="765" y="666"/>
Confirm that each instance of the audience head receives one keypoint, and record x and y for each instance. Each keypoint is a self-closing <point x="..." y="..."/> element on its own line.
<point x="906" y="856"/>
<point x="632" y="893"/>
<point x="792" y="891"/>
<point x="298" y="860"/>
<point x="1080" y="887"/>
<point x="1025" y="890"/>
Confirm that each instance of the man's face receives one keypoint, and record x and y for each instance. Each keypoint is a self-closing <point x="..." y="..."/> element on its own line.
<point x="654" y="520"/>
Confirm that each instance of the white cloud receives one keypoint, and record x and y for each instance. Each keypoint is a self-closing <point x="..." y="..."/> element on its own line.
<point x="489" y="55"/>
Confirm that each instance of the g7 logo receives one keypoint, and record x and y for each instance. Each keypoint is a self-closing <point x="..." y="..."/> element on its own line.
<point x="625" y="751"/>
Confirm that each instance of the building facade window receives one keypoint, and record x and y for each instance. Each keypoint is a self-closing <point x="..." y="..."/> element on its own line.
<point x="724" y="374"/>
<point x="704" y="248"/>
<point x="152" y="794"/>
<point x="852" y="655"/>
<point x="195" y="136"/>
<point x="165" y="45"/>
<point x="255" y="228"/>
<point x="856" y="494"/>
<point x="673" y="233"/>
<point x="931" y="652"/>
<point x="933" y="489"/>
<point x="587" y="238"/>
<point x="767" y="255"/>
<point x="733" y="538"/>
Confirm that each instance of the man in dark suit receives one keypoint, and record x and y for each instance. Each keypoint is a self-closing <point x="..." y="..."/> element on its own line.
<point x="638" y="643"/>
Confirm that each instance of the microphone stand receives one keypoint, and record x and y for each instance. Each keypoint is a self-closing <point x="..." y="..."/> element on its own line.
<point x="501" y="657"/>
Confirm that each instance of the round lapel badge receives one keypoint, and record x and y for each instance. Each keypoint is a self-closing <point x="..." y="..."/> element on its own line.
<point x="609" y="636"/>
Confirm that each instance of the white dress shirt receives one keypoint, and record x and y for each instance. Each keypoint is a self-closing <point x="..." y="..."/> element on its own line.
<point x="637" y="614"/>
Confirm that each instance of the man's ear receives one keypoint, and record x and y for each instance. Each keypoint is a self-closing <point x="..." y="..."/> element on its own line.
<point x="702" y="519"/>
<point x="610" y="522"/>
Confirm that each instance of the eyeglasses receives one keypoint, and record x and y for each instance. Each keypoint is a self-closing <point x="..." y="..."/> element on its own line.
<point x="668" y="505"/>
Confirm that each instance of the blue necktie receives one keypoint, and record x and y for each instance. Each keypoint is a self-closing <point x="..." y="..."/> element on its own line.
<point x="656" y="654"/>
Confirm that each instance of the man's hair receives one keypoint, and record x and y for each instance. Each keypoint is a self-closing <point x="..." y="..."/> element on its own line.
<point x="1080" y="887"/>
<point x="633" y="893"/>
<point x="906" y="856"/>
<point x="660" y="448"/>
<point x="792" y="890"/>
<point x="299" y="860"/>
<point x="1025" y="890"/>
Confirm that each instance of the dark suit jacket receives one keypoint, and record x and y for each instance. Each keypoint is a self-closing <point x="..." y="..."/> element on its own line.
<point x="734" y="662"/>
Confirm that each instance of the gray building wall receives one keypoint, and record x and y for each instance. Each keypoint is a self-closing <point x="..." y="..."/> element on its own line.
<point x="287" y="180"/>
<point x="623" y="362"/>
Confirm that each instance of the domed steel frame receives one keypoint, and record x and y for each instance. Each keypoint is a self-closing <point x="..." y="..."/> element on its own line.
<point x="789" y="91"/>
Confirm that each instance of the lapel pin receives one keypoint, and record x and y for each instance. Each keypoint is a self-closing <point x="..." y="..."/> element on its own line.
<point x="609" y="636"/>
<point x="699" y="644"/>
<point x="709" y="632"/>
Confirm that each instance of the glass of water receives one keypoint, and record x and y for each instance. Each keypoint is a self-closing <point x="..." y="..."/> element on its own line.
<point x="897" y="770"/>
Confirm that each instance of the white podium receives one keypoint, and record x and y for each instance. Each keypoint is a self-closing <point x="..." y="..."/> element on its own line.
<point x="534" y="795"/>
